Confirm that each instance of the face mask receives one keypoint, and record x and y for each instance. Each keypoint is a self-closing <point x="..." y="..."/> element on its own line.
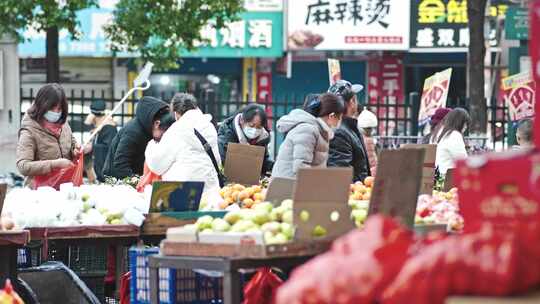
<point x="252" y="133"/>
<point x="52" y="116"/>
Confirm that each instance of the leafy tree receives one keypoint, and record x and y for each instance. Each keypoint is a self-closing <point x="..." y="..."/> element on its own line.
<point x="475" y="66"/>
<point x="50" y="16"/>
<point x="159" y="29"/>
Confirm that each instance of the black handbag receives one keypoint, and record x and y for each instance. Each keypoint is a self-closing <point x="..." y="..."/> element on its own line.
<point x="208" y="149"/>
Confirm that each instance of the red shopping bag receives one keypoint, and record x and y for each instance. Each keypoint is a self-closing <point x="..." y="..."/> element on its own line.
<point x="73" y="174"/>
<point x="124" y="288"/>
<point x="262" y="287"/>
<point x="147" y="178"/>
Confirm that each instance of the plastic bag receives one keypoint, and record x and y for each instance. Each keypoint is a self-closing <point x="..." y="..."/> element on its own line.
<point x="147" y="178"/>
<point x="73" y="174"/>
<point x="262" y="287"/>
<point x="125" y="282"/>
<point x="356" y="269"/>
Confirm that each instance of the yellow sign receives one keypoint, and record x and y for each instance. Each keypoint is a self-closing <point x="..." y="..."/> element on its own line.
<point x="249" y="79"/>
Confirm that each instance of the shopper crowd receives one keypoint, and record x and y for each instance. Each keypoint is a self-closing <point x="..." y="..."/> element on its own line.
<point x="177" y="141"/>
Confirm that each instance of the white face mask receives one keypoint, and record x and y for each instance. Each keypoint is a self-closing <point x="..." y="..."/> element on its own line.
<point x="251" y="132"/>
<point x="52" y="116"/>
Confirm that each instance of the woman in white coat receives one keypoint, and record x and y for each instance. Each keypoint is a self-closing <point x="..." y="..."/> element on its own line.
<point x="180" y="155"/>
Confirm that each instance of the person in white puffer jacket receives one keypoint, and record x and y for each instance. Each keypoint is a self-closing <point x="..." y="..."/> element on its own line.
<point x="448" y="137"/>
<point x="180" y="155"/>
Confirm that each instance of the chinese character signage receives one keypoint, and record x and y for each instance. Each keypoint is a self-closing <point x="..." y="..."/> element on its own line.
<point x="516" y="24"/>
<point x="519" y="94"/>
<point x="348" y="24"/>
<point x="255" y="34"/>
<point x="334" y="70"/>
<point x="437" y="24"/>
<point x="434" y="95"/>
<point x="385" y="85"/>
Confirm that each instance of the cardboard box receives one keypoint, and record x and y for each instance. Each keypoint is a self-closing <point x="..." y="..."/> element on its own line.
<point x="280" y="189"/>
<point x="397" y="184"/>
<point x="320" y="193"/>
<point x="3" y="191"/>
<point x="449" y="180"/>
<point x="428" y="170"/>
<point x="243" y="164"/>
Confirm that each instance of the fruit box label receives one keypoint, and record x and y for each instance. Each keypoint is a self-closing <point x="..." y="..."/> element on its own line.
<point x="321" y="209"/>
<point x="501" y="188"/>
<point x="394" y="193"/>
<point x="243" y="164"/>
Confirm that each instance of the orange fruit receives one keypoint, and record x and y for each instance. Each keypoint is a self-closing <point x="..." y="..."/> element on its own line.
<point x="366" y="197"/>
<point x="258" y="197"/>
<point x="256" y="189"/>
<point x="235" y="196"/>
<point x="229" y="200"/>
<point x="360" y="188"/>
<point x="223" y="205"/>
<point x="357" y="196"/>
<point x="238" y="187"/>
<point x="248" y="203"/>
<point x="369" y="181"/>
<point x="243" y="195"/>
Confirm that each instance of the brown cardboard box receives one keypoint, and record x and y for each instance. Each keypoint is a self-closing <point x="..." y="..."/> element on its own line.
<point x="280" y="189"/>
<point x="321" y="193"/>
<point x="428" y="171"/>
<point x="244" y="164"/>
<point x="395" y="192"/>
<point x="3" y="191"/>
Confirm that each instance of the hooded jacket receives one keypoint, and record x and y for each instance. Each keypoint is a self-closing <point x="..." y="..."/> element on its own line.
<point x="347" y="149"/>
<point x="126" y="152"/>
<point x="230" y="132"/>
<point x="305" y="145"/>
<point x="180" y="155"/>
<point x="37" y="147"/>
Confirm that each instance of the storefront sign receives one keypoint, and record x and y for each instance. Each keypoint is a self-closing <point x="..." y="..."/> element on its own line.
<point x="516" y="24"/>
<point x="256" y="34"/>
<point x="519" y="91"/>
<point x="534" y="51"/>
<point x="385" y="85"/>
<point x="442" y="25"/>
<point x="263" y="5"/>
<point x="348" y="25"/>
<point x="334" y="70"/>
<point x="434" y="95"/>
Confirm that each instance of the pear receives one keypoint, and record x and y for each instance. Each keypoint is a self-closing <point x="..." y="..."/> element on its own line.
<point x="287" y="217"/>
<point x="287" y="230"/>
<point x="260" y="217"/>
<point x="287" y="204"/>
<point x="220" y="225"/>
<point x="232" y="217"/>
<point x="264" y="206"/>
<point x="204" y="222"/>
<point x="273" y="227"/>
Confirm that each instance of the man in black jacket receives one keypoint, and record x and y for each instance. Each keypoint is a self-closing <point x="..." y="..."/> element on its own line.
<point x="126" y="153"/>
<point x="347" y="148"/>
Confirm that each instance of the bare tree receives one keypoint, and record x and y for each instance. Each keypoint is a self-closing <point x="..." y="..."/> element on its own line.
<point x="475" y="66"/>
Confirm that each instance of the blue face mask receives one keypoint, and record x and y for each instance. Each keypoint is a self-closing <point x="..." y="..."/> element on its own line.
<point x="52" y="117"/>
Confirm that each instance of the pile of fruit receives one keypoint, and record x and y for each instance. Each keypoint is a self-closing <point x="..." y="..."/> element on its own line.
<point x="275" y="224"/>
<point x="244" y="197"/>
<point x="361" y="191"/>
<point x="359" y="212"/>
<point x="440" y="208"/>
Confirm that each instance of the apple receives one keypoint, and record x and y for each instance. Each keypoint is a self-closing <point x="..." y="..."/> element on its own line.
<point x="319" y="231"/>
<point x="220" y="225"/>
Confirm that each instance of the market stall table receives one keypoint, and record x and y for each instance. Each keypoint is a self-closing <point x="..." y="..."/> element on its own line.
<point x="229" y="259"/>
<point x="10" y="241"/>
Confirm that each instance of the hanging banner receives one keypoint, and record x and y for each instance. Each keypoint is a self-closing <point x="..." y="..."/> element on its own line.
<point x="348" y="25"/>
<point x="534" y="51"/>
<point x="334" y="70"/>
<point x="434" y="95"/>
<point x="518" y="91"/>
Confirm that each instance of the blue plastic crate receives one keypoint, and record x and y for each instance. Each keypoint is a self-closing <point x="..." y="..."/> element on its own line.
<point x="175" y="286"/>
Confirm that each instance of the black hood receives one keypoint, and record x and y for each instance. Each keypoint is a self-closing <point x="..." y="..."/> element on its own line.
<point x="147" y="108"/>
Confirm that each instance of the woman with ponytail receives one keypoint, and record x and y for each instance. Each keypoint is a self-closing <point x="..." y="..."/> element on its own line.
<point x="307" y="134"/>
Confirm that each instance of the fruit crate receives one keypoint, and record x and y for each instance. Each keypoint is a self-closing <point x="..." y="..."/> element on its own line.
<point x="175" y="286"/>
<point x="88" y="259"/>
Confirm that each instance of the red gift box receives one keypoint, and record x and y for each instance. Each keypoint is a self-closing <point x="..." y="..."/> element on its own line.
<point x="501" y="188"/>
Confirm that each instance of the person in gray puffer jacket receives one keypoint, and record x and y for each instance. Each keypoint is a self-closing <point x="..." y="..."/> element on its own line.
<point x="307" y="135"/>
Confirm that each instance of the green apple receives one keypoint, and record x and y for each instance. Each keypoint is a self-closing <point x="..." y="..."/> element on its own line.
<point x="287" y="217"/>
<point x="287" y="204"/>
<point x="288" y="230"/>
<point x="260" y="217"/>
<point x="319" y="231"/>
<point x="264" y="206"/>
<point x="232" y="217"/>
<point x="220" y="225"/>
<point x="273" y="227"/>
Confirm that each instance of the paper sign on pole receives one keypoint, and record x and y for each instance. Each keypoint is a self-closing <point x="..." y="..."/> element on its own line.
<point x="334" y="70"/>
<point x="434" y="95"/>
<point x="519" y="93"/>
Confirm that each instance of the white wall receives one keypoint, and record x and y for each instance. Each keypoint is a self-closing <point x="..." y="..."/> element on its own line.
<point x="10" y="112"/>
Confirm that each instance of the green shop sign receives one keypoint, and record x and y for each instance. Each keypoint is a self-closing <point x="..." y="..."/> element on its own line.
<point x="516" y="24"/>
<point x="256" y="34"/>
